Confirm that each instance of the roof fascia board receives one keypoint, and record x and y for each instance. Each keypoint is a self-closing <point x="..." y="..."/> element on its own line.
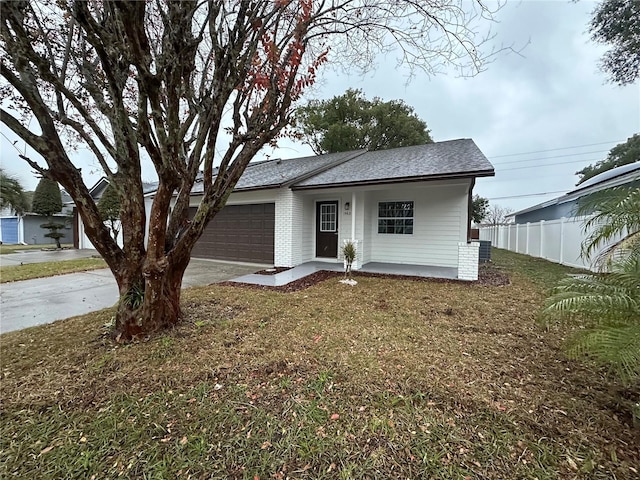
<point x="388" y="181"/>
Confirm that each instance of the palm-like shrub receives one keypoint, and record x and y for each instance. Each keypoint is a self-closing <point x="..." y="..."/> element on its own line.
<point x="606" y="304"/>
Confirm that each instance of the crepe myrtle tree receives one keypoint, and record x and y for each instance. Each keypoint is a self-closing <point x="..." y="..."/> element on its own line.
<point x="190" y="85"/>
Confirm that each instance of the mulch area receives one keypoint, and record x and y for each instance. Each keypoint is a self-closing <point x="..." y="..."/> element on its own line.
<point x="488" y="275"/>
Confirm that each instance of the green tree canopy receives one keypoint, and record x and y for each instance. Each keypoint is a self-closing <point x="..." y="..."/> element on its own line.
<point x="616" y="23"/>
<point x="47" y="199"/>
<point x="621" y="154"/>
<point x="351" y="122"/>
<point x="480" y="208"/>
<point x="12" y="194"/>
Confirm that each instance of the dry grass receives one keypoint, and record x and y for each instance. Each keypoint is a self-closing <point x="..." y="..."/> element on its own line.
<point x="28" y="271"/>
<point x="387" y="379"/>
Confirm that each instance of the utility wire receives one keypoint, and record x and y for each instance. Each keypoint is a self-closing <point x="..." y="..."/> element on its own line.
<point x="526" y="195"/>
<point x="548" y="158"/>
<point x="554" y="149"/>
<point x="544" y="165"/>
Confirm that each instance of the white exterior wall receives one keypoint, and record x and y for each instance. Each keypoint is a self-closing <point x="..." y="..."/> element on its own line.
<point x="288" y="228"/>
<point x="440" y="222"/>
<point x="83" y="239"/>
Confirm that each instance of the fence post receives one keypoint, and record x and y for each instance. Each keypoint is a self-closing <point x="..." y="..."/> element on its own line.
<point x="562" y="239"/>
<point x="542" y="239"/>
<point x="517" y="237"/>
<point x="526" y="243"/>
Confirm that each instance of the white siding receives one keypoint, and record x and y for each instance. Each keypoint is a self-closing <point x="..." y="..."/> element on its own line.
<point x="243" y="198"/>
<point x="440" y="215"/>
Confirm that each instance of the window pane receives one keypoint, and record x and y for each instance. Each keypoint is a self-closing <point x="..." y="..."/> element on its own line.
<point x="395" y="218"/>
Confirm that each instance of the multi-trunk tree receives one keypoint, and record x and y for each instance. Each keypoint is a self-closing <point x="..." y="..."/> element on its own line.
<point x="190" y="85"/>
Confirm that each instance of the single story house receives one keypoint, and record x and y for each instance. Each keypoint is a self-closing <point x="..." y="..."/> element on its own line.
<point x="407" y="205"/>
<point x="566" y="205"/>
<point x="399" y="206"/>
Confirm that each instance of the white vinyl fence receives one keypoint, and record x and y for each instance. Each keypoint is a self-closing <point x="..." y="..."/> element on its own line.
<point x="559" y="241"/>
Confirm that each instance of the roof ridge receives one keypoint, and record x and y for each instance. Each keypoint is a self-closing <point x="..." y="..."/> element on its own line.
<point x="349" y="155"/>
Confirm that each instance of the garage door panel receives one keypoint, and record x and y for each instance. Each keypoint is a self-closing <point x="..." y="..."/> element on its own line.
<point x="239" y="233"/>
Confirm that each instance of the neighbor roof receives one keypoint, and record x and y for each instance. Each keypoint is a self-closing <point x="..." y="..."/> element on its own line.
<point x="611" y="178"/>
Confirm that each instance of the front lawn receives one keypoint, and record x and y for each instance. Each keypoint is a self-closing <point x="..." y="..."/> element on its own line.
<point x="14" y="273"/>
<point x="5" y="248"/>
<point x="388" y="379"/>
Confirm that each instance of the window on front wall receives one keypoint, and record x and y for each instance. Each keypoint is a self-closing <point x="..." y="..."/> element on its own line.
<point x="395" y="217"/>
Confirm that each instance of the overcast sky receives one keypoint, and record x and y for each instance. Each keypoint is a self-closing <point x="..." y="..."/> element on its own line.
<point x="550" y="97"/>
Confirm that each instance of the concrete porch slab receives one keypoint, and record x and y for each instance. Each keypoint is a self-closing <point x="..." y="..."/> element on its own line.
<point x="301" y="271"/>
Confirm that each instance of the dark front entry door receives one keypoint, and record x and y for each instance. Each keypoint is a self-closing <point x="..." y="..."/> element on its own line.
<point x="327" y="229"/>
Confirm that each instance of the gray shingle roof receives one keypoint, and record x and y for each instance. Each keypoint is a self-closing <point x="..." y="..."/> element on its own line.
<point x="453" y="158"/>
<point x="278" y="173"/>
<point x="443" y="159"/>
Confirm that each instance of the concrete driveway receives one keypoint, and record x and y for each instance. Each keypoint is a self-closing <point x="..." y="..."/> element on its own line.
<point x="45" y="300"/>
<point x="39" y="256"/>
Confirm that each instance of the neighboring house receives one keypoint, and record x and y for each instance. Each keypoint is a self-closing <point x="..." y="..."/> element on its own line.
<point x="26" y="228"/>
<point x="81" y="240"/>
<point x="551" y="229"/>
<point x="567" y="204"/>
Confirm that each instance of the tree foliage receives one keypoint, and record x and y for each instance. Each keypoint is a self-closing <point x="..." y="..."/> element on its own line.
<point x="622" y="154"/>
<point x="606" y="304"/>
<point x="175" y="81"/>
<point x="616" y="23"/>
<point x="497" y="215"/>
<point x="12" y="194"/>
<point x="351" y="122"/>
<point x="479" y="208"/>
<point x="47" y="199"/>
<point x="109" y="208"/>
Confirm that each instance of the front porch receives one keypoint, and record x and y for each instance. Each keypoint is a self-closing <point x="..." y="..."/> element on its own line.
<point x="301" y="271"/>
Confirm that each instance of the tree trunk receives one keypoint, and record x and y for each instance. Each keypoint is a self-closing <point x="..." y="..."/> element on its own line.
<point x="149" y="301"/>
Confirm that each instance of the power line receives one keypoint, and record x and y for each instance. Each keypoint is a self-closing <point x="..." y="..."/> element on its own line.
<point x="554" y="149"/>
<point x="548" y="158"/>
<point x="527" y="195"/>
<point x="546" y="165"/>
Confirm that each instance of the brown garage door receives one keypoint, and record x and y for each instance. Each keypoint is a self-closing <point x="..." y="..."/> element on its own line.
<point x="242" y="233"/>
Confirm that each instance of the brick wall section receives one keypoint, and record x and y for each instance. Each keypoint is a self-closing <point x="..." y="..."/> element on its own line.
<point x="468" y="256"/>
<point x="288" y="229"/>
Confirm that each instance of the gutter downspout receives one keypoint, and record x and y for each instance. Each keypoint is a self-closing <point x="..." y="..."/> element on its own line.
<point x="470" y="209"/>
